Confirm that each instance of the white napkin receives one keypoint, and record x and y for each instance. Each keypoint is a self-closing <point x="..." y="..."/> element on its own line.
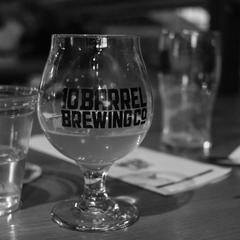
<point x="234" y="157"/>
<point x="156" y="171"/>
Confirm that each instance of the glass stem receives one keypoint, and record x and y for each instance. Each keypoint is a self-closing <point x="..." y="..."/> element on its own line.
<point x="95" y="197"/>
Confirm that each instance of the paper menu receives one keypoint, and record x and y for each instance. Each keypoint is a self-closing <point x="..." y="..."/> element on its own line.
<point x="152" y="170"/>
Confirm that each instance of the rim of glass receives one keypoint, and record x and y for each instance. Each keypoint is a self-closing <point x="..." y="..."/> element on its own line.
<point x="28" y="93"/>
<point x="94" y="35"/>
<point x="189" y="32"/>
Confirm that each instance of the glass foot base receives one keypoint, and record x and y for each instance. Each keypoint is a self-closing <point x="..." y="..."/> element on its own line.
<point x="66" y="214"/>
<point x="200" y="152"/>
<point x="9" y="207"/>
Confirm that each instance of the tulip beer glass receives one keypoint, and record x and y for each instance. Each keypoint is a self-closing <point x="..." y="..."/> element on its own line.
<point x="95" y="106"/>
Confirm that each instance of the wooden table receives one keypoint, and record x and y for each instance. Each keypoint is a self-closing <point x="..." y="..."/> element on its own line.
<point x="209" y="213"/>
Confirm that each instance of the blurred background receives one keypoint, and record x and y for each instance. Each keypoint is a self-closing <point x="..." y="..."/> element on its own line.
<point x="26" y="27"/>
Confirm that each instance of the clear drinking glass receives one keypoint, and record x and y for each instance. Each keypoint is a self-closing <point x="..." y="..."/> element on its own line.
<point x="95" y="106"/>
<point x="17" y="106"/>
<point x="189" y="75"/>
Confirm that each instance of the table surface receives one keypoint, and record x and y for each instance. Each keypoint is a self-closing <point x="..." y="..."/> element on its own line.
<point x="211" y="212"/>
